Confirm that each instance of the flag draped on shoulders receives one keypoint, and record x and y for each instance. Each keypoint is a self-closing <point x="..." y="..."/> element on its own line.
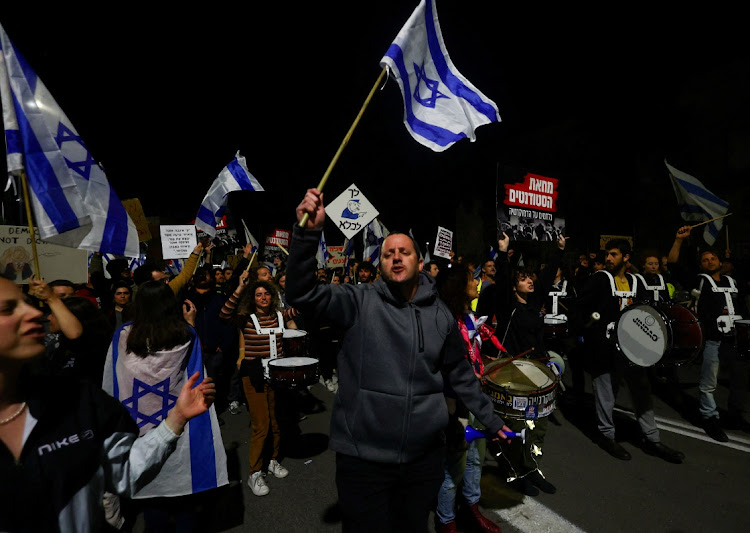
<point x="74" y="204"/>
<point x="233" y="177"/>
<point x="698" y="204"/>
<point x="148" y="388"/>
<point x="441" y="106"/>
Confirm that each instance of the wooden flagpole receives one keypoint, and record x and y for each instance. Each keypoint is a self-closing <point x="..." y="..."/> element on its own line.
<point x="282" y="249"/>
<point x="30" y="219"/>
<point x="251" y="261"/>
<point x="348" y="136"/>
<point x="707" y="221"/>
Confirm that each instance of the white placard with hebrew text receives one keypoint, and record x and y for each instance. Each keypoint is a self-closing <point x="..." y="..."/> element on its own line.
<point x="177" y="242"/>
<point x="443" y="243"/>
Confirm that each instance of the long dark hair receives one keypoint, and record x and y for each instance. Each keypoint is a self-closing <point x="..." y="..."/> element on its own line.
<point x="158" y="323"/>
<point x="451" y="286"/>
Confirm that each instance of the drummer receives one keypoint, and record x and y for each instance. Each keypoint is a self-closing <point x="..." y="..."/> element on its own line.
<point x="255" y="312"/>
<point x="606" y="294"/>
<point x="520" y="328"/>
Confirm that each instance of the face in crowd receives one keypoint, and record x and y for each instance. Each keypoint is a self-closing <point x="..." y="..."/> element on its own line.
<point x="488" y="269"/>
<point x="615" y="260"/>
<point x="434" y="270"/>
<point x="21" y="330"/>
<point x="219" y="277"/>
<point x="63" y="291"/>
<point x="651" y="265"/>
<point x="710" y="263"/>
<point x="364" y="275"/>
<point x="122" y="296"/>
<point x="399" y="260"/>
<point x="262" y="300"/>
<point x="264" y="274"/>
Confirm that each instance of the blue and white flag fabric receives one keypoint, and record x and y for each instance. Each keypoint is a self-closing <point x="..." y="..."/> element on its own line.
<point x="441" y="106"/>
<point x="427" y="257"/>
<point x="148" y="387"/>
<point x="233" y="177"/>
<point x="74" y="204"/>
<point x="698" y="204"/>
<point x="348" y="254"/>
<point x="493" y="253"/>
<point x="249" y="239"/>
<point x="322" y="253"/>
<point x="373" y="236"/>
<point x="174" y="266"/>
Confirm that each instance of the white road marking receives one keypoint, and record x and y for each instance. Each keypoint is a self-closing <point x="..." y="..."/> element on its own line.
<point x="533" y="517"/>
<point x="681" y="428"/>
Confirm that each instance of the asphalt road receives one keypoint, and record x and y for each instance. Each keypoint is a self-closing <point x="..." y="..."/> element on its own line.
<point x="596" y="492"/>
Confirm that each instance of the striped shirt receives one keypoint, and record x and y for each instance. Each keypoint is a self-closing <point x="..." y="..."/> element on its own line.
<point x="256" y="344"/>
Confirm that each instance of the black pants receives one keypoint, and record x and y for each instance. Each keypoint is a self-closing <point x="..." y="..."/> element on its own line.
<point x="382" y="497"/>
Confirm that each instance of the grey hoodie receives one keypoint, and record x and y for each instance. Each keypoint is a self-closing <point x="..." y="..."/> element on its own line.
<point x="394" y="358"/>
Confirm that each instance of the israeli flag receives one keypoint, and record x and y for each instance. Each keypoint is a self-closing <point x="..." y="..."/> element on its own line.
<point x="373" y="235"/>
<point x="249" y="239"/>
<point x="74" y="204"/>
<point x="493" y="253"/>
<point x="427" y="258"/>
<point x="233" y="177"/>
<point x="322" y="253"/>
<point x="697" y="203"/>
<point x="441" y="106"/>
<point x="148" y="388"/>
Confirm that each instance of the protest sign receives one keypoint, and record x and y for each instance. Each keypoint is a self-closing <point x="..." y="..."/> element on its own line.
<point x="55" y="262"/>
<point x="336" y="257"/>
<point x="443" y="243"/>
<point x="177" y="242"/>
<point x="529" y="210"/>
<point x="351" y="211"/>
<point x="603" y="239"/>
<point x="136" y="214"/>
<point x="278" y="237"/>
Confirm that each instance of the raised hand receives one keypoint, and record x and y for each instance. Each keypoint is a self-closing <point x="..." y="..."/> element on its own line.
<point x="312" y="204"/>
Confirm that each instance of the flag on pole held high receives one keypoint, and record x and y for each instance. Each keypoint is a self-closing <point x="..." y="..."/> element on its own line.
<point x="74" y="204"/>
<point x="441" y="106"/>
<point x="249" y="239"/>
<point x="373" y="236"/>
<point x="233" y="177"/>
<point x="322" y="252"/>
<point x="698" y="204"/>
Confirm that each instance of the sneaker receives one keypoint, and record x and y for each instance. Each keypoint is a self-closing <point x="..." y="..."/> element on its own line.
<point x="234" y="407"/>
<point x="275" y="468"/>
<point x="713" y="430"/>
<point x="524" y="486"/>
<point x="257" y="484"/>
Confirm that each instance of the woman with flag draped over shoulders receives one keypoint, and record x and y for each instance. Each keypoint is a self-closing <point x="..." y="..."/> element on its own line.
<point x="148" y="362"/>
<point x="64" y="442"/>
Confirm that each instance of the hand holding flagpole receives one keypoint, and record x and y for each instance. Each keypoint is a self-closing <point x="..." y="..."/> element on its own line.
<point x="336" y="156"/>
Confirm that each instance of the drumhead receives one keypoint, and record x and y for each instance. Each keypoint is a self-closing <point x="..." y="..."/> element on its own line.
<point x="642" y="335"/>
<point x="292" y="333"/>
<point x="293" y="361"/>
<point x="551" y="320"/>
<point x="522" y="375"/>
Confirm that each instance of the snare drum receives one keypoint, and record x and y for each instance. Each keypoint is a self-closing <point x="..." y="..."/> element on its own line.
<point x="660" y="333"/>
<point x="293" y="372"/>
<point x="295" y="343"/>
<point x="742" y="338"/>
<point x="555" y="327"/>
<point x="521" y="388"/>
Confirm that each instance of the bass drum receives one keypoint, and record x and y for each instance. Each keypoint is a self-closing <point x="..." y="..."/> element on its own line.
<point x="521" y="388"/>
<point x="660" y="333"/>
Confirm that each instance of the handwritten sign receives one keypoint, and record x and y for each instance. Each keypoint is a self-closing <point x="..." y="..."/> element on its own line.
<point x="336" y="257"/>
<point x="443" y="243"/>
<point x="351" y="211"/>
<point x="55" y="262"/>
<point x="177" y="242"/>
<point x="136" y="214"/>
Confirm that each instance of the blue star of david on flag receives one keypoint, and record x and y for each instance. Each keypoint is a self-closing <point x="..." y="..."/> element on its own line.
<point x="141" y="389"/>
<point x="430" y="84"/>
<point x="419" y="62"/>
<point x="83" y="167"/>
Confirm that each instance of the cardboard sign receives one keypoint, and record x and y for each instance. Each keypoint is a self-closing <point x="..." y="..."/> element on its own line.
<point x="136" y="214"/>
<point x="336" y="257"/>
<point x="55" y="262"/>
<point x="443" y="243"/>
<point x="351" y="211"/>
<point x="604" y="239"/>
<point x="177" y="242"/>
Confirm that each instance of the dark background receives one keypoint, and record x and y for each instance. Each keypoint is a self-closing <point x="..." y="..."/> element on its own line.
<point x="595" y="97"/>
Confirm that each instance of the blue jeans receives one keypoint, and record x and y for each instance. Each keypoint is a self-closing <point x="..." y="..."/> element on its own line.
<point x="708" y="379"/>
<point x="465" y="465"/>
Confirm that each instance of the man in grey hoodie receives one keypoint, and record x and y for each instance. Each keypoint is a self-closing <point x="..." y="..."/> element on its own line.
<point x="400" y="349"/>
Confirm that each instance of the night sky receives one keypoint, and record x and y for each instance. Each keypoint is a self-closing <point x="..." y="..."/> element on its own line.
<point x="595" y="98"/>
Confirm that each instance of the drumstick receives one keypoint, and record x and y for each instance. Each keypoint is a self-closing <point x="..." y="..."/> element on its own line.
<point x="487" y="371"/>
<point x="707" y="221"/>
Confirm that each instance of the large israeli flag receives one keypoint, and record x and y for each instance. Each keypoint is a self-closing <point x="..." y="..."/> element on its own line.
<point x="233" y="177"/>
<point x="73" y="202"/>
<point x="440" y="105"/>
<point x="698" y="204"/>
<point x="148" y="387"/>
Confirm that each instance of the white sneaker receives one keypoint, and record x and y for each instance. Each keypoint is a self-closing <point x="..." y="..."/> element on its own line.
<point x="275" y="468"/>
<point x="331" y="386"/>
<point x="234" y="407"/>
<point x="257" y="484"/>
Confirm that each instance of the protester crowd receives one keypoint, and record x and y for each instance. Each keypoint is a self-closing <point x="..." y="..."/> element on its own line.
<point x="127" y="333"/>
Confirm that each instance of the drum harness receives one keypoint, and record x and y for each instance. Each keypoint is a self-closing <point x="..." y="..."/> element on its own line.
<point x="556" y="295"/>
<point x="725" y="323"/>
<point x="624" y="296"/>
<point x="271" y="332"/>
<point x="656" y="288"/>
